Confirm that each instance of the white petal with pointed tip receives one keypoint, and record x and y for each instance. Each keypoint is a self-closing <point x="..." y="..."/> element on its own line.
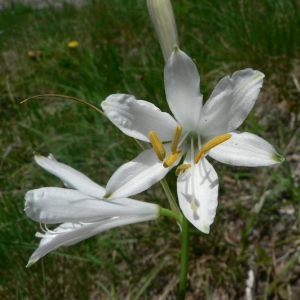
<point x="182" y="82"/>
<point x="69" y="234"/>
<point x="136" y="206"/>
<point x="137" y="175"/>
<point x="137" y="117"/>
<point x="246" y="149"/>
<point x="204" y="180"/>
<point x="230" y="103"/>
<point x="71" y="177"/>
<point x="58" y="205"/>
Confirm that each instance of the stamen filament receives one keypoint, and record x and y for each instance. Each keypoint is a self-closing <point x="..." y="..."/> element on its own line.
<point x="157" y="145"/>
<point x="211" y="144"/>
<point x="172" y="157"/>
<point x="182" y="168"/>
<point x="176" y="137"/>
<point x="183" y="138"/>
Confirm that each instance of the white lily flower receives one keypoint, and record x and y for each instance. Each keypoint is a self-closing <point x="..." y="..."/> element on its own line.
<point x="194" y="132"/>
<point x="82" y="209"/>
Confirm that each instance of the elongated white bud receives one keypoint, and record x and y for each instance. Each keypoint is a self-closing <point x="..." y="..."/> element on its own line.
<point x="162" y="16"/>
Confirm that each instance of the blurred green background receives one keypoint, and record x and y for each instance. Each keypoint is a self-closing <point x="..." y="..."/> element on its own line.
<point x="257" y="224"/>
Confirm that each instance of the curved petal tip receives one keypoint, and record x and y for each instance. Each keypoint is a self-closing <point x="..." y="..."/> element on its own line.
<point x="278" y="158"/>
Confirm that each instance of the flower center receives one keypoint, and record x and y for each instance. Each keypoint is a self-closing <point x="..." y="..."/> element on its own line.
<point x="168" y="161"/>
<point x="160" y="150"/>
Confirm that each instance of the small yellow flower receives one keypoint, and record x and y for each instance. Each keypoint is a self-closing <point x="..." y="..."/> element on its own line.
<point x="31" y="54"/>
<point x="73" y="44"/>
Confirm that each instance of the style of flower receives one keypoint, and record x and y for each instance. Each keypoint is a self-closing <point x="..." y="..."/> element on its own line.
<point x="80" y="208"/>
<point x="194" y="132"/>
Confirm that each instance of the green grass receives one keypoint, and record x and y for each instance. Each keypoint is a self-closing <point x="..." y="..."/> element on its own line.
<point x="257" y="223"/>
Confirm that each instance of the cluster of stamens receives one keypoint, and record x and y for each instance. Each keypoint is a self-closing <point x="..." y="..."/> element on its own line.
<point x="160" y="150"/>
<point x="49" y="233"/>
<point x="168" y="161"/>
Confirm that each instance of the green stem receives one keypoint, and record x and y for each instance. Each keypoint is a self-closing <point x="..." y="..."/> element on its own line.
<point x="169" y="213"/>
<point x="170" y="197"/>
<point x="185" y="238"/>
<point x="137" y="143"/>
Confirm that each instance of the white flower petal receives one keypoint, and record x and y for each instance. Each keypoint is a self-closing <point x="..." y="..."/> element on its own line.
<point x="246" y="149"/>
<point x="69" y="234"/>
<point x="58" y="205"/>
<point x="197" y="190"/>
<point x="182" y="82"/>
<point x="230" y="102"/>
<point x="136" y="207"/>
<point x="137" y="117"/>
<point x="49" y="235"/>
<point x="137" y="175"/>
<point x="71" y="177"/>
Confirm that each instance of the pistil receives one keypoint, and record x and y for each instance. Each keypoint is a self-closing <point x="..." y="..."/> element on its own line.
<point x="194" y="207"/>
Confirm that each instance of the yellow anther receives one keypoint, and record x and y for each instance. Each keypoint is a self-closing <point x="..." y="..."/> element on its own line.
<point x="157" y="145"/>
<point x="182" y="168"/>
<point x="198" y="156"/>
<point x="194" y="207"/>
<point x="172" y="157"/>
<point x="211" y="144"/>
<point x="176" y="138"/>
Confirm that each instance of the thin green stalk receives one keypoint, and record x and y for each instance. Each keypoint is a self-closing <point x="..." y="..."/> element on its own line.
<point x="185" y="238"/>
<point x="169" y="213"/>
<point x="66" y="97"/>
<point x="170" y="197"/>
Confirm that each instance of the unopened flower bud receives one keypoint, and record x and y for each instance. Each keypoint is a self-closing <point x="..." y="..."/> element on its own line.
<point x="162" y="16"/>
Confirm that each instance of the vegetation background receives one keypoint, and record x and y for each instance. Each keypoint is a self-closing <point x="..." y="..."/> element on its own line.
<point x="257" y="228"/>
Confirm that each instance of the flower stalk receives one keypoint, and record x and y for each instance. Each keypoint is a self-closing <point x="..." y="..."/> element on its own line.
<point x="170" y="197"/>
<point x="185" y="242"/>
